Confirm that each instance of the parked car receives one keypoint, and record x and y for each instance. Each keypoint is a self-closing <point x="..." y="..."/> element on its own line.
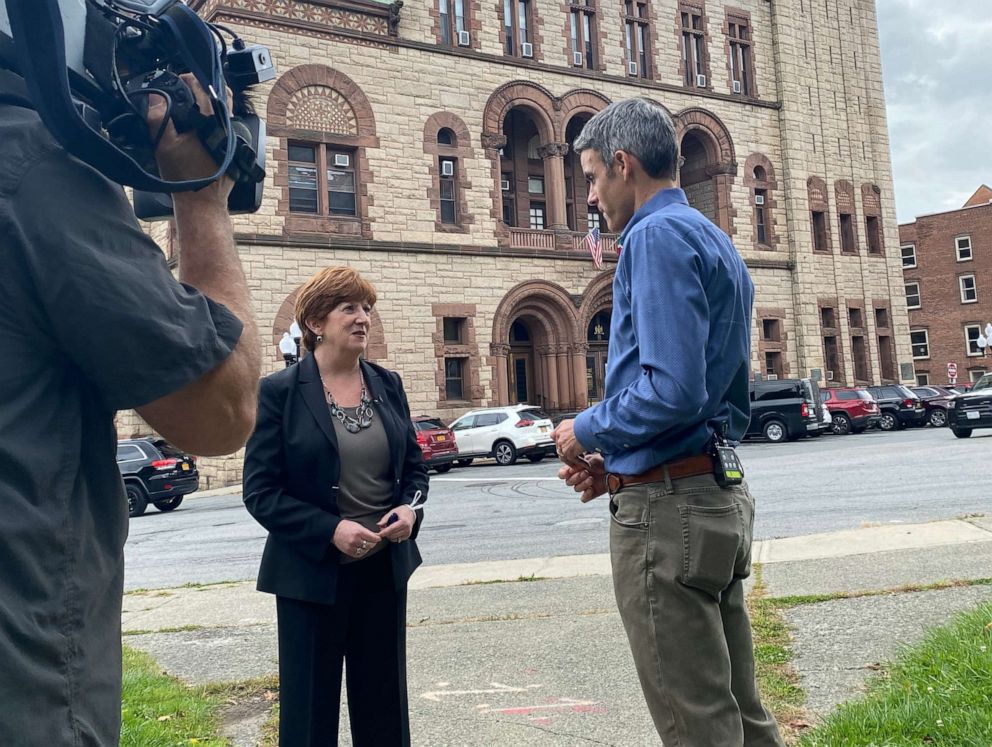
<point x="504" y="433"/>
<point x="437" y="442"/>
<point x="935" y="401"/>
<point x="154" y="471"/>
<point x="785" y="409"/>
<point x="971" y="410"/>
<point x="899" y="407"/>
<point x="851" y="410"/>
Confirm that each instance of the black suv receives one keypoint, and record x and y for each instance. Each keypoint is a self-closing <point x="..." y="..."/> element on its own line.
<point x="156" y="472"/>
<point x="898" y="407"/>
<point x="785" y="409"/>
<point x="971" y="410"/>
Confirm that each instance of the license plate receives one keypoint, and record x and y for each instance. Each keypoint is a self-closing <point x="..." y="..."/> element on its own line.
<point x="973" y="415"/>
<point x="442" y="438"/>
<point x="544" y="429"/>
<point x="185" y="467"/>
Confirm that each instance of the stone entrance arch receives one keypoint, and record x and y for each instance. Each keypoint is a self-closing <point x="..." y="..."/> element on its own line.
<point x="548" y="353"/>
<point x="708" y="165"/>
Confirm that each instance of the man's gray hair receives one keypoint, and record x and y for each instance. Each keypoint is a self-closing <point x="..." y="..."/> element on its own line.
<point x="637" y="126"/>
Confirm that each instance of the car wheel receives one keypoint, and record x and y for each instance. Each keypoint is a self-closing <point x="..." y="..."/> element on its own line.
<point x="463" y="462"/>
<point x="442" y="468"/>
<point x="938" y="417"/>
<point x="962" y="432"/>
<point x="775" y="431"/>
<point x="841" y="424"/>
<point x="137" y="499"/>
<point x="505" y="453"/>
<point x="169" y="504"/>
<point x="888" y="422"/>
<point x="535" y="458"/>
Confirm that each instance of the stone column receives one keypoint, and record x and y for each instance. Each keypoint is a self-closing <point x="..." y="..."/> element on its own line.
<point x="550" y="361"/>
<point x="492" y="142"/>
<point x="500" y="354"/>
<point x="554" y="183"/>
<point x="566" y="396"/>
<point x="579" y="375"/>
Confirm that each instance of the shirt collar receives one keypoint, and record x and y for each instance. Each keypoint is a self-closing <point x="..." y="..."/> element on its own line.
<point x="658" y="201"/>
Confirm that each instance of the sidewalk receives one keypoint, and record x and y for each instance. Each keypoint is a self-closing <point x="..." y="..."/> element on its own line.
<point x="545" y="661"/>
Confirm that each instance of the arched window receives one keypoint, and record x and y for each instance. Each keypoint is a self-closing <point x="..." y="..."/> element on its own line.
<point x="445" y="136"/>
<point x="447" y="142"/>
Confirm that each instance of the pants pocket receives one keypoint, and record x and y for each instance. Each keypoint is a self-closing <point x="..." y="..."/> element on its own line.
<point x="711" y="541"/>
<point x="627" y="512"/>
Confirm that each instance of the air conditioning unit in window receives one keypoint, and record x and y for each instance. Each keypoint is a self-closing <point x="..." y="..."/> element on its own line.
<point x="504" y="185"/>
<point x="830" y="375"/>
<point x="342" y="159"/>
<point x="701" y="81"/>
<point x="447" y="168"/>
<point x="771" y="377"/>
<point x="577" y="59"/>
<point x="464" y="39"/>
<point x="526" y="49"/>
<point x="759" y="199"/>
<point x="632" y="68"/>
<point x="737" y="86"/>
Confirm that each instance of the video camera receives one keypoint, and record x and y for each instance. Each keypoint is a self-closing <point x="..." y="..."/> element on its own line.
<point x="91" y="65"/>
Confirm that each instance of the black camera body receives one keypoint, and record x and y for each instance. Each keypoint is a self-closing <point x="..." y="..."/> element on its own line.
<point x="91" y="66"/>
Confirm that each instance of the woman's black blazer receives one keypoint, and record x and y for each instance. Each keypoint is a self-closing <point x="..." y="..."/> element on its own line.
<point x="291" y="476"/>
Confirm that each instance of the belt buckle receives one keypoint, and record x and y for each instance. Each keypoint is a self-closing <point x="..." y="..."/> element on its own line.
<point x="612" y="478"/>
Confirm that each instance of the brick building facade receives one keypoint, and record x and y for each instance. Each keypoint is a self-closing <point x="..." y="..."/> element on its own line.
<point x="427" y="145"/>
<point x="947" y="269"/>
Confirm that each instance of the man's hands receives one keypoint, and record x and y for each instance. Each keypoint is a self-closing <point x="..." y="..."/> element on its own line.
<point x="589" y="479"/>
<point x="569" y="448"/>
<point x="353" y="539"/>
<point x="182" y="156"/>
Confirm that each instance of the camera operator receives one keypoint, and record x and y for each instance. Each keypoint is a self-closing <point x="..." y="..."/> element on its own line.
<point x="91" y="322"/>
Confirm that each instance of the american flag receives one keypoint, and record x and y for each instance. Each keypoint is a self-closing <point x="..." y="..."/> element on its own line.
<point x="595" y="247"/>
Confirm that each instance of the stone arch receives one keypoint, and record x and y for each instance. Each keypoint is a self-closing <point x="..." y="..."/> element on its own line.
<point x="579" y="101"/>
<point x="719" y="144"/>
<point x="447" y="120"/>
<point x="597" y="297"/>
<point x="707" y="177"/>
<point x="536" y="99"/>
<point x="286" y="315"/>
<point x="557" y="354"/>
<point x="304" y="82"/>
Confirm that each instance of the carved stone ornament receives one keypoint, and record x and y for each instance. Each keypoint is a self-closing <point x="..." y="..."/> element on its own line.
<point x="493" y="140"/>
<point x="552" y="150"/>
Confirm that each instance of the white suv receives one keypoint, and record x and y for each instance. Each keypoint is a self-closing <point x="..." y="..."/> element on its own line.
<point x="504" y="433"/>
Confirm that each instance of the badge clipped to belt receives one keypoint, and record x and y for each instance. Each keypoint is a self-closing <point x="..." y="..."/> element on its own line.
<point x="727" y="467"/>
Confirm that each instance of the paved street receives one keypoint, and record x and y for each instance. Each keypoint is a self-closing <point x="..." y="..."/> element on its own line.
<point x="486" y="512"/>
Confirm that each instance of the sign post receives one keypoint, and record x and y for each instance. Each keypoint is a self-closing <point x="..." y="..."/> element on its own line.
<point x="952" y="373"/>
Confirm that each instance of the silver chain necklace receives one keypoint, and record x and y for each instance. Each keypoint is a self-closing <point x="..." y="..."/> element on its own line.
<point x="363" y="413"/>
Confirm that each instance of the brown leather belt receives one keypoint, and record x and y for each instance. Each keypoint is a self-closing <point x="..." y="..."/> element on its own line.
<point x="688" y="467"/>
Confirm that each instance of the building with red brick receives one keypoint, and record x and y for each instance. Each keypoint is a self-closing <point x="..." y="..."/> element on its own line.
<point x="947" y="268"/>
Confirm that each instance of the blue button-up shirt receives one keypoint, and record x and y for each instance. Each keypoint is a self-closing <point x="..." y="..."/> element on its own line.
<point x="680" y="341"/>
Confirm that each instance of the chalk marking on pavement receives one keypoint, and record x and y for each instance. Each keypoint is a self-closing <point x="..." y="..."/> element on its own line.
<point x="497" y="687"/>
<point x="564" y="704"/>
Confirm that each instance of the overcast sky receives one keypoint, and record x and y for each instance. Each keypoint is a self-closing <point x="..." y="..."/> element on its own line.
<point x="936" y="65"/>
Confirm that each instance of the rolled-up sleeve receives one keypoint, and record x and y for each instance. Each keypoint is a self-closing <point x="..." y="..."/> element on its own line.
<point x="113" y="307"/>
<point x="670" y="316"/>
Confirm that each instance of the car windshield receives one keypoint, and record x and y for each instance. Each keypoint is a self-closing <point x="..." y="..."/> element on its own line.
<point x="167" y="449"/>
<point x="534" y="413"/>
<point x="865" y="395"/>
<point x="983" y="383"/>
<point x="429" y="425"/>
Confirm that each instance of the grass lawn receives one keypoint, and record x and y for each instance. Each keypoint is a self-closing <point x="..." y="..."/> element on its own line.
<point x="159" y="711"/>
<point x="938" y="692"/>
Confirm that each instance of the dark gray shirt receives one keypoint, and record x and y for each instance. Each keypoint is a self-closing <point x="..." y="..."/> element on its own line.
<point x="91" y="321"/>
<point x="366" y="485"/>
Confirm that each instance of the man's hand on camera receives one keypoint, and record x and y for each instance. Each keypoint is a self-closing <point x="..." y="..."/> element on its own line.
<point x="182" y="155"/>
<point x="589" y="480"/>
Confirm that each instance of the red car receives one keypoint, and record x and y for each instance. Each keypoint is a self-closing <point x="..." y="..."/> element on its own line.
<point x="851" y="410"/>
<point x="437" y="442"/>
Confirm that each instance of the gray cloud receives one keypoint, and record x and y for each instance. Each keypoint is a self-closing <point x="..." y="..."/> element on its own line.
<point x="935" y="63"/>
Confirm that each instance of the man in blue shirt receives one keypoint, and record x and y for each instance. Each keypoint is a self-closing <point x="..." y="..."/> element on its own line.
<point x="676" y="383"/>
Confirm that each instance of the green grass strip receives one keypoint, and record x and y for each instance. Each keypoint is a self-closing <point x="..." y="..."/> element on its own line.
<point x="159" y="711"/>
<point x="938" y="692"/>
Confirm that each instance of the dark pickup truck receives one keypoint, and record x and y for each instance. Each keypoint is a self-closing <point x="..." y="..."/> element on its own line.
<point x="971" y="410"/>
